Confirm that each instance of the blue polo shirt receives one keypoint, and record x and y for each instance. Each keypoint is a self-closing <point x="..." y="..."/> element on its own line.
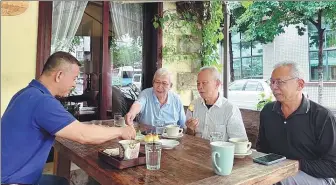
<point x="151" y="113"/>
<point x="28" y="129"/>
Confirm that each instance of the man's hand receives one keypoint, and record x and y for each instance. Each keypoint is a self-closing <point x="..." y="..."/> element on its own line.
<point x="129" y="117"/>
<point x="128" y="132"/>
<point x="192" y="124"/>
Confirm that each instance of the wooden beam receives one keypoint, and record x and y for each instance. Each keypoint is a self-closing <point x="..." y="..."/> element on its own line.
<point x="43" y="35"/>
<point x="106" y="89"/>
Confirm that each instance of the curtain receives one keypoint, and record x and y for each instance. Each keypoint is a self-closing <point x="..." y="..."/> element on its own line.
<point x="126" y="19"/>
<point x="66" y="18"/>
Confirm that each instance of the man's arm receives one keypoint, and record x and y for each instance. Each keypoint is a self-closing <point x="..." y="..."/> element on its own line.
<point x="235" y="126"/>
<point x="325" y="166"/>
<point x="137" y="107"/>
<point x="94" y="134"/>
<point x="262" y="143"/>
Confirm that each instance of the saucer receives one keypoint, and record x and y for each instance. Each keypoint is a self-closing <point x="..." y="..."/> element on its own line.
<point x="168" y="143"/>
<point x="240" y="156"/>
<point x="172" y="137"/>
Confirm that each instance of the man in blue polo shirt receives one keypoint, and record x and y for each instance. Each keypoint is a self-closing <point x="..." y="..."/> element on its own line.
<point x="34" y="117"/>
<point x="158" y="105"/>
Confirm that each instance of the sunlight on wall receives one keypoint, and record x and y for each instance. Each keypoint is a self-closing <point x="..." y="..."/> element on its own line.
<point x="18" y="52"/>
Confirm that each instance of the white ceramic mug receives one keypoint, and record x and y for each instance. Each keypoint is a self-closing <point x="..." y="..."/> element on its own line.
<point x="242" y="145"/>
<point x="172" y="130"/>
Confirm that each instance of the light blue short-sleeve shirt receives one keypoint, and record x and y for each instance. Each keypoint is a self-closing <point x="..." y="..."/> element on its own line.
<point x="152" y="114"/>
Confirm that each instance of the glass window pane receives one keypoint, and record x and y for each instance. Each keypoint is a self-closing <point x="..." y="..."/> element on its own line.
<point x="256" y="48"/>
<point x="251" y="86"/>
<point x="313" y="41"/>
<point x="246" y="67"/>
<point x="332" y="65"/>
<point x="235" y="50"/>
<point x="237" y="86"/>
<point x="313" y="56"/>
<point x="246" y="49"/>
<point x="235" y="37"/>
<point x="237" y="68"/>
<point x="331" y="39"/>
<point x="257" y="67"/>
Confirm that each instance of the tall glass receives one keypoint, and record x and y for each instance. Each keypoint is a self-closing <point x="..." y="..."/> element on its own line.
<point x="159" y="126"/>
<point x="153" y="155"/>
<point x="117" y="119"/>
<point x="216" y="136"/>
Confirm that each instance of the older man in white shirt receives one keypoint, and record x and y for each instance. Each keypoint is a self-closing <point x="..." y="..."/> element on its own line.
<point x="212" y="112"/>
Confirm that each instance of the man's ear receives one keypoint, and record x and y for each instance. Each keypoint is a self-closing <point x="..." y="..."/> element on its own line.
<point x="59" y="76"/>
<point x="301" y="84"/>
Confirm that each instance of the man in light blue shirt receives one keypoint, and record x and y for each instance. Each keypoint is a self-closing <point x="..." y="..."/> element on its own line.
<point x="158" y="106"/>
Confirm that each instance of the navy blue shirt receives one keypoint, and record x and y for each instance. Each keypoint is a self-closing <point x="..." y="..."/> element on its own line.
<point x="28" y="129"/>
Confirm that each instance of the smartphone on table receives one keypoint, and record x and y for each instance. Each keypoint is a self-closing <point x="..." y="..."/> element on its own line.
<point x="269" y="159"/>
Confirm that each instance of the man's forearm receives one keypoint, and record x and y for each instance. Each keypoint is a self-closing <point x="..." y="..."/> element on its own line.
<point x="318" y="168"/>
<point x="135" y="108"/>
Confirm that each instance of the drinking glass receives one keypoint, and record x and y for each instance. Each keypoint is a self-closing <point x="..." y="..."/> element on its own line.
<point x="153" y="155"/>
<point x="159" y="126"/>
<point x="117" y="118"/>
<point x="216" y="136"/>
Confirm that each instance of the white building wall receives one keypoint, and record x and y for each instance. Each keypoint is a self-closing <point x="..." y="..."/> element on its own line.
<point x="288" y="46"/>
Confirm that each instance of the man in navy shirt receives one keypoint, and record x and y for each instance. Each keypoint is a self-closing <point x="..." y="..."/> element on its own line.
<point x="34" y="117"/>
<point x="299" y="129"/>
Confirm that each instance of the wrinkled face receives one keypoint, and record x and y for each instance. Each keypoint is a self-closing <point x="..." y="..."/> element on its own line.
<point x="161" y="85"/>
<point x="207" y="85"/>
<point x="284" y="85"/>
<point x="66" y="79"/>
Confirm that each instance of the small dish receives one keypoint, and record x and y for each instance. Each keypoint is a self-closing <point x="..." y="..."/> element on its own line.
<point x="240" y="156"/>
<point x="168" y="143"/>
<point x="172" y="137"/>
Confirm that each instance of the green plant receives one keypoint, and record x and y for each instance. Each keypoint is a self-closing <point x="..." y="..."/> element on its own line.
<point x="263" y="101"/>
<point x="197" y="26"/>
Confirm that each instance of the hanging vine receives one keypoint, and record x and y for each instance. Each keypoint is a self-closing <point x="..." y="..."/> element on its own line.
<point x="199" y="23"/>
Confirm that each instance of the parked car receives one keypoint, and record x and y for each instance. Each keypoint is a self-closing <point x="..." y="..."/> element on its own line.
<point x="136" y="80"/>
<point x="246" y="93"/>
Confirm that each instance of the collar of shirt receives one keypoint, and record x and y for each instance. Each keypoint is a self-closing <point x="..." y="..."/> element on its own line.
<point x="303" y="108"/>
<point x="156" y="100"/>
<point x="219" y="102"/>
<point x="38" y="85"/>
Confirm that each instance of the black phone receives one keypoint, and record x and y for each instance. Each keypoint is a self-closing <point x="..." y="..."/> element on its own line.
<point x="269" y="159"/>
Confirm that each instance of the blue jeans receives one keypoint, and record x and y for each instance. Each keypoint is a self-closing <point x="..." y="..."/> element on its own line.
<point x="52" y="180"/>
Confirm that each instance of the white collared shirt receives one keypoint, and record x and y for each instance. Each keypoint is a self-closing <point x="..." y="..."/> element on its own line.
<point x="223" y="117"/>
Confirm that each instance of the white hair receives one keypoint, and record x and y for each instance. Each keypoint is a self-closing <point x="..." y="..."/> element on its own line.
<point x="213" y="71"/>
<point x="296" y="69"/>
<point x="162" y="72"/>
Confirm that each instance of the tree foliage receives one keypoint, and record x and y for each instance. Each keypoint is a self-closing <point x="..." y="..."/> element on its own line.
<point x="264" y="20"/>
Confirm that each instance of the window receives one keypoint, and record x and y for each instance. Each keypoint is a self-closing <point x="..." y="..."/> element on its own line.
<point x="329" y="54"/>
<point x="247" y="58"/>
<point x="237" y="86"/>
<point x="251" y="86"/>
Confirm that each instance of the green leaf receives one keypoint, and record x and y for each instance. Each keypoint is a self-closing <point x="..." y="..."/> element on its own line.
<point x="156" y="25"/>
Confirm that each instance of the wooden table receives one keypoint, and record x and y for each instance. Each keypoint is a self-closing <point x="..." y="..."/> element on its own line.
<point x="188" y="163"/>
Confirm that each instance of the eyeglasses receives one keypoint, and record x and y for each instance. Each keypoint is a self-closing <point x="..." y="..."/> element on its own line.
<point x="279" y="82"/>
<point x="164" y="84"/>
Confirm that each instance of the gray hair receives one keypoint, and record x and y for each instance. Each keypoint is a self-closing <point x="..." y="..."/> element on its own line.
<point x="162" y="72"/>
<point x="213" y="71"/>
<point x="296" y="69"/>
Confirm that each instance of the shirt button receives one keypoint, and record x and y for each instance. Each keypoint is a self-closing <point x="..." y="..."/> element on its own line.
<point x="285" y="122"/>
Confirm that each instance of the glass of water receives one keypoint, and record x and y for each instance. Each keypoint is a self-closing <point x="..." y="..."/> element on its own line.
<point x="159" y="126"/>
<point x="153" y="155"/>
<point x="216" y="136"/>
<point x="117" y="118"/>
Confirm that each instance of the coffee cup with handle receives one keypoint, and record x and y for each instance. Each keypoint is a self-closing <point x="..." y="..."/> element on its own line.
<point x="222" y="156"/>
<point x="242" y="145"/>
<point x="172" y="130"/>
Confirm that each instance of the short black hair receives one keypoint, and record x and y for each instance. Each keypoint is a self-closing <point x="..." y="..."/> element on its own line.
<point x="58" y="58"/>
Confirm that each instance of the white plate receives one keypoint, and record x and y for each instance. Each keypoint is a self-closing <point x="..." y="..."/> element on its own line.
<point x="168" y="143"/>
<point x="172" y="137"/>
<point x="243" y="155"/>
